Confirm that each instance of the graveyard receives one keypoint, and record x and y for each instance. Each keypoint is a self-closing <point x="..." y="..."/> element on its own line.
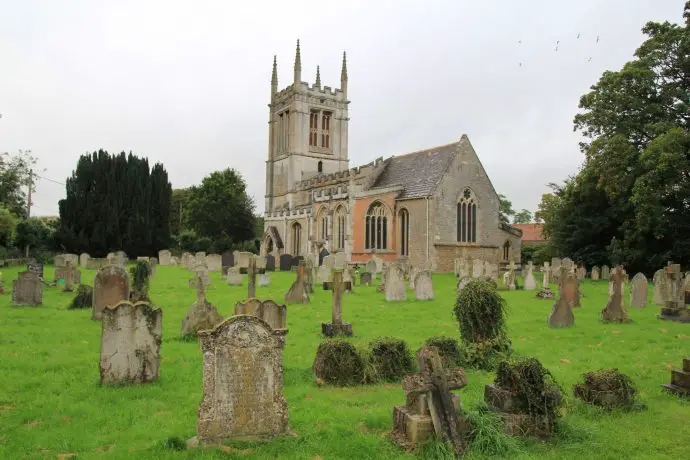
<point x="53" y="405"/>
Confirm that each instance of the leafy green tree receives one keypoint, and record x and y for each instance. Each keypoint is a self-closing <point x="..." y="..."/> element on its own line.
<point x="7" y="225"/>
<point x="221" y="210"/>
<point x="34" y="233"/>
<point x="178" y="208"/>
<point x="14" y="178"/>
<point x="522" y="217"/>
<point x="505" y="209"/>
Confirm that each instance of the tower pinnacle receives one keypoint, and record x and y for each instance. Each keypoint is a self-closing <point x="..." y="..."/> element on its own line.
<point x="318" y="77"/>
<point x="274" y="76"/>
<point x="343" y="75"/>
<point x="298" y="66"/>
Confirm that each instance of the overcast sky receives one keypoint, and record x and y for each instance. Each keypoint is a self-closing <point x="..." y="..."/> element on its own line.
<point x="187" y="83"/>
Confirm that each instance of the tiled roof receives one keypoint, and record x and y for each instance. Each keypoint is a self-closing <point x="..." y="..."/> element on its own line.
<point x="531" y="232"/>
<point x="419" y="172"/>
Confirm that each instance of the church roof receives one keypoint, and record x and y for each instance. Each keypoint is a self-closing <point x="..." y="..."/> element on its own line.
<point x="419" y="173"/>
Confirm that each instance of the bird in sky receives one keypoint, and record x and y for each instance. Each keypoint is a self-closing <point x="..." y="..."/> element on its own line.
<point x="556" y="48"/>
<point x="578" y="35"/>
<point x="589" y="60"/>
<point x="597" y="38"/>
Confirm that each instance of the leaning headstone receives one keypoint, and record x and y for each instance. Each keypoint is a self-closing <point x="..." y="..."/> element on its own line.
<point x="164" y="257"/>
<point x="27" y="289"/>
<point x="638" y="291"/>
<point x="285" y="263"/>
<point x="264" y="280"/>
<point x="365" y="279"/>
<point x="423" y="286"/>
<point x="234" y="276"/>
<point x="298" y="291"/>
<point x="243" y="382"/>
<point x="201" y="315"/>
<point x="562" y="312"/>
<point x="615" y="310"/>
<point x="83" y="259"/>
<point x="270" y="263"/>
<point x="130" y="343"/>
<point x="605" y="272"/>
<point x="110" y="287"/>
<point x="530" y="284"/>
<point x="337" y="326"/>
<point x="596" y="273"/>
<point x="660" y="287"/>
<point x="431" y="409"/>
<point x="273" y="314"/>
<point x="395" y="283"/>
<point x="214" y="262"/>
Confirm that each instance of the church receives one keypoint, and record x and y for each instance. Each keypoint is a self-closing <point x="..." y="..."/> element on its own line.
<point x="425" y="208"/>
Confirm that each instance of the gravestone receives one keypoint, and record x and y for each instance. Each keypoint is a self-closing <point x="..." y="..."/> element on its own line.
<point x="120" y="258"/>
<point x="242" y="260"/>
<point x="71" y="275"/>
<point x="547" y="275"/>
<point x="462" y="282"/>
<point x="477" y="268"/>
<point x="251" y="276"/>
<point x="27" y="289"/>
<point x="273" y="314"/>
<point x="615" y="310"/>
<point x="638" y="291"/>
<point x="660" y="287"/>
<point x="309" y="275"/>
<point x="570" y="290"/>
<point x="83" y="259"/>
<point x="297" y="294"/>
<point x="423" y="285"/>
<point x="270" y="263"/>
<point x="174" y="261"/>
<point x="365" y="279"/>
<point x="243" y="382"/>
<point x="379" y="264"/>
<point x="72" y="259"/>
<point x="431" y="408"/>
<point x="164" y="257"/>
<point x="371" y="267"/>
<point x="323" y="275"/>
<point x="337" y="326"/>
<point x="35" y="267"/>
<point x="200" y="273"/>
<point x="200" y="258"/>
<point x="187" y="260"/>
<point x="395" y="284"/>
<point x="227" y="259"/>
<point x="509" y="277"/>
<point x="680" y="380"/>
<point x="59" y="260"/>
<point x="61" y="273"/>
<point x="322" y="254"/>
<point x="530" y="284"/>
<point x="201" y="315"/>
<point x="110" y="287"/>
<point x="340" y="260"/>
<point x="581" y="272"/>
<point x="264" y="280"/>
<point x="96" y="263"/>
<point x="234" y="276"/>
<point x="285" y="263"/>
<point x="562" y="312"/>
<point x="605" y="272"/>
<point x="130" y="343"/>
<point x="674" y="308"/>
<point x="214" y="262"/>
<point x="596" y="273"/>
<point x="412" y="273"/>
<point x="349" y="277"/>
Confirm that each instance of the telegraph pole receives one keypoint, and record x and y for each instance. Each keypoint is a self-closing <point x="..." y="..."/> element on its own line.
<point x="28" y="206"/>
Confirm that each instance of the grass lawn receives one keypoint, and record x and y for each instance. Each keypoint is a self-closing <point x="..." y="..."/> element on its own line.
<point x="51" y="402"/>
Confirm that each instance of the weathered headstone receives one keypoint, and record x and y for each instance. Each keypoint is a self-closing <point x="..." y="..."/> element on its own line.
<point x="365" y="279"/>
<point x="674" y="308"/>
<point x="227" y="259"/>
<point x="298" y="291"/>
<point x="340" y="260"/>
<point x="509" y="277"/>
<point x="83" y="259"/>
<point x="243" y="382"/>
<point x="96" y="263"/>
<point x="309" y="275"/>
<point x="200" y="258"/>
<point x="530" y="284"/>
<point x="35" y="267"/>
<point x="270" y="263"/>
<point x="605" y="272"/>
<point x="615" y="310"/>
<point x="214" y="262"/>
<point x="477" y="268"/>
<point x="660" y="287"/>
<point x="371" y="267"/>
<point x="59" y="260"/>
<point x="395" y="283"/>
<point x="164" y="257"/>
<point x="285" y="263"/>
<point x="273" y="314"/>
<point x="27" y="289"/>
<point x="638" y="291"/>
<point x="71" y="275"/>
<point x="562" y="312"/>
<point x="234" y="276"/>
<point x="596" y="273"/>
<point x="431" y="408"/>
<point x="251" y="276"/>
<point x="581" y="272"/>
<point x="110" y="287"/>
<point x="379" y="263"/>
<point x="570" y="290"/>
<point x="200" y="272"/>
<point x="323" y="274"/>
<point x="423" y="285"/>
<point x="61" y="273"/>
<point x="201" y="315"/>
<point x="547" y="275"/>
<point x="264" y="280"/>
<point x="130" y="343"/>
<point x="337" y="326"/>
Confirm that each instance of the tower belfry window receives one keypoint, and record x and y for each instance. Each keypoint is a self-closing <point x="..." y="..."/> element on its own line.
<point x="313" y="128"/>
<point x="325" y="130"/>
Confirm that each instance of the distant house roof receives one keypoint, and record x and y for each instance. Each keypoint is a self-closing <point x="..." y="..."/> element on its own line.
<point x="419" y="173"/>
<point x="531" y="232"/>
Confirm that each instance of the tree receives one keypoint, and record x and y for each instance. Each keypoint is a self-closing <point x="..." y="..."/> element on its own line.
<point x="221" y="210"/>
<point x="505" y="209"/>
<point x="14" y="178"/>
<point x="8" y="222"/>
<point x="522" y="217"/>
<point x="115" y="202"/>
<point x="34" y="233"/>
<point x="178" y="207"/>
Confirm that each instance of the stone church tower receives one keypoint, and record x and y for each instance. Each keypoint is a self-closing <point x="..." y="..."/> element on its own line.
<point x="307" y="133"/>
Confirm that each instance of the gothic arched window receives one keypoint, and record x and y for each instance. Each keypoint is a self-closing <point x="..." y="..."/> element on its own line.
<point x="404" y="233"/>
<point x="323" y="227"/>
<point x="376" y="227"/>
<point x="467" y="218"/>
<point x="296" y="238"/>
<point x="339" y="222"/>
<point x="506" y="250"/>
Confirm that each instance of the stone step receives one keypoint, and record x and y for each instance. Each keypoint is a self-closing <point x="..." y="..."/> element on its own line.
<point x="680" y="378"/>
<point x="680" y="391"/>
<point x="686" y="364"/>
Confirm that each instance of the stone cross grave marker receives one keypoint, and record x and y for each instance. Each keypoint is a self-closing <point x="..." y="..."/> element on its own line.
<point x="251" y="277"/>
<point x="110" y="287"/>
<point x="674" y="308"/>
<point x="530" y="282"/>
<point x="431" y="405"/>
<point x="510" y="278"/>
<point x="130" y="343"/>
<point x="201" y="315"/>
<point x="615" y="309"/>
<point x="547" y="275"/>
<point x="337" y="326"/>
<point x="562" y="312"/>
<point x="243" y="382"/>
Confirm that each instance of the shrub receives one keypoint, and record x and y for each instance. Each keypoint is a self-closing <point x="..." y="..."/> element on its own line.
<point x="337" y="362"/>
<point x="607" y="388"/>
<point x="448" y="349"/>
<point x="388" y="359"/>
<point x="83" y="298"/>
<point x="175" y="443"/>
<point x="480" y="312"/>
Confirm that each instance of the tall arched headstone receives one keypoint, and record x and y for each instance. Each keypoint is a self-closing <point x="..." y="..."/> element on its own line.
<point x="110" y="287"/>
